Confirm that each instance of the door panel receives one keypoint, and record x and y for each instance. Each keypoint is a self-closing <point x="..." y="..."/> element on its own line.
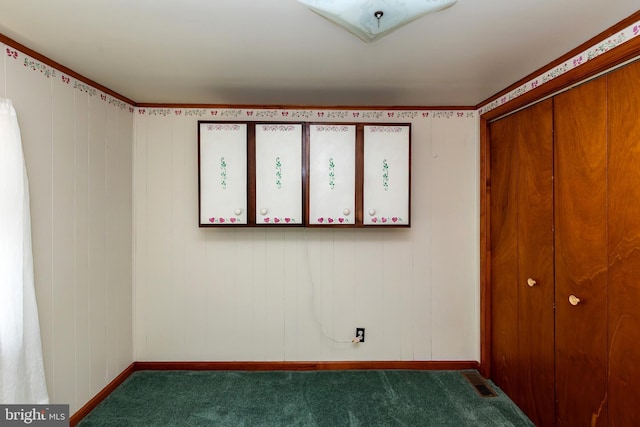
<point x="386" y="174"/>
<point x="222" y="153"/>
<point x="278" y="177"/>
<point x="535" y="261"/>
<point x="332" y="174"/>
<point x="580" y="120"/>
<point x="624" y="246"/>
<point x="521" y="211"/>
<point x="504" y="255"/>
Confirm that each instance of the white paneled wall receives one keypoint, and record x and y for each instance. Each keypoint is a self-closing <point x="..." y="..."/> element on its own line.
<point x="257" y="294"/>
<point x="78" y="151"/>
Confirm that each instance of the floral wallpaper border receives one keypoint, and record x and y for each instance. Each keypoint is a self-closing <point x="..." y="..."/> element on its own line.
<point x="631" y="32"/>
<point x="288" y="114"/>
<point x="52" y="73"/>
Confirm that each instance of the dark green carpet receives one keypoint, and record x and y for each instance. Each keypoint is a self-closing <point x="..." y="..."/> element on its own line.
<point x="315" y="398"/>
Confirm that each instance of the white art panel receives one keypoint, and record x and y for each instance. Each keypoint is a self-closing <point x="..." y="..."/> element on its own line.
<point x="386" y="175"/>
<point x="278" y="173"/>
<point x="223" y="173"/>
<point x="332" y="162"/>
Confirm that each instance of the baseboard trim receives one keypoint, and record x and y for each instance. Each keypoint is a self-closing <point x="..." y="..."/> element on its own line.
<point x="305" y="366"/>
<point x="98" y="398"/>
<point x="267" y="366"/>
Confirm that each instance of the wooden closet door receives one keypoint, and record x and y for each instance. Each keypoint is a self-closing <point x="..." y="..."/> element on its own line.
<point x="535" y="261"/>
<point x="624" y="246"/>
<point x="522" y="249"/>
<point x="504" y="254"/>
<point x="580" y="121"/>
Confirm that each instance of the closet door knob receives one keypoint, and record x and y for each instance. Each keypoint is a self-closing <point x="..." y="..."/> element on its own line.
<point x="574" y="300"/>
<point x="531" y="282"/>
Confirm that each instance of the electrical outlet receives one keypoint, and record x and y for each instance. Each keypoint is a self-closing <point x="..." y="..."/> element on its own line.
<point x="360" y="334"/>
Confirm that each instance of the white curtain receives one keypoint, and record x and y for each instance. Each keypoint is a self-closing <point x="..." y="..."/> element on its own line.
<point x="22" y="377"/>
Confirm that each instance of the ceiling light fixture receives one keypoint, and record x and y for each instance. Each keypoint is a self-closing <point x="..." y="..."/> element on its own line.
<point x="372" y="19"/>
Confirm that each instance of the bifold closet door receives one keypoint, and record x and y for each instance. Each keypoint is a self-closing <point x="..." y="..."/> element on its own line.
<point x="624" y="246"/>
<point x="580" y="190"/>
<point x="522" y="282"/>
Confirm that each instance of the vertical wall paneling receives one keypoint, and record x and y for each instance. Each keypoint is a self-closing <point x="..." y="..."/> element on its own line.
<point x="298" y="294"/>
<point x="179" y="221"/>
<point x="417" y="308"/>
<point x="274" y="285"/>
<point x="179" y="218"/>
<point x="111" y="241"/>
<point x="122" y="268"/>
<point x="258" y="295"/>
<point x="394" y="256"/>
<point x="219" y="295"/>
<point x="81" y="244"/>
<point x="195" y="251"/>
<point x="242" y="265"/>
<point x="77" y="145"/>
<point x="369" y="307"/>
<point x="139" y="236"/>
<point x="160" y="172"/>
<point x="309" y="334"/>
<point x="402" y="282"/>
<point x="345" y="302"/>
<point x="326" y="302"/>
<point x="454" y="160"/>
<point x="294" y="270"/>
<point x="63" y="236"/>
<point x="97" y="243"/>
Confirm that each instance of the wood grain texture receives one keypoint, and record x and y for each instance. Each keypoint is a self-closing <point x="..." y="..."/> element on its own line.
<point x="99" y="397"/>
<point x="601" y="63"/>
<point x="580" y="124"/>
<point x="485" y="250"/>
<point x="535" y="260"/>
<point x="503" y="254"/>
<point x="624" y="246"/>
<point x="521" y="217"/>
<point x="306" y="366"/>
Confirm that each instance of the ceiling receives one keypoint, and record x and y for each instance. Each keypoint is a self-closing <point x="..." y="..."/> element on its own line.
<point x="278" y="52"/>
